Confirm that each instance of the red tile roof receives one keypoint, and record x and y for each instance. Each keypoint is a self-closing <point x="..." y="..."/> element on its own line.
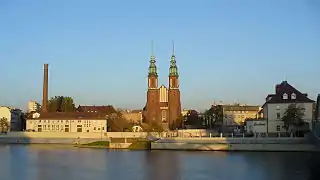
<point x="101" y="109"/>
<point x="71" y="115"/>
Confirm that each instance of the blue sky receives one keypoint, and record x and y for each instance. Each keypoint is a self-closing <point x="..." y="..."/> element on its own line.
<point x="98" y="51"/>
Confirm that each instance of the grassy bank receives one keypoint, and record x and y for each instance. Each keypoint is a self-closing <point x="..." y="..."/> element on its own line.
<point x="140" y="145"/>
<point x="96" y="144"/>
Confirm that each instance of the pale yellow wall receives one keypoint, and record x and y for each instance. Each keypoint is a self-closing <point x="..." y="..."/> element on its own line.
<point x="5" y="113"/>
<point x="163" y="94"/>
<point x="240" y="116"/>
<point x="12" y="116"/>
<point x="133" y="117"/>
<point x="99" y="125"/>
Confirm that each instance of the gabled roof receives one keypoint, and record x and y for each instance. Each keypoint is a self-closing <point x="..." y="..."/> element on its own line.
<point x="71" y="115"/>
<point x="285" y="88"/>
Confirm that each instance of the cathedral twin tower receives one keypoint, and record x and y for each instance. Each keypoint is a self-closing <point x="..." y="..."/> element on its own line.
<point x="163" y="104"/>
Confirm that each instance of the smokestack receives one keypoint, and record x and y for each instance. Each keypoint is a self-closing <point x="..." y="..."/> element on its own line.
<point x="45" y="89"/>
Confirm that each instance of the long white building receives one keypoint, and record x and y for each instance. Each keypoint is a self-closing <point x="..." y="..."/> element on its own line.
<point x="67" y="122"/>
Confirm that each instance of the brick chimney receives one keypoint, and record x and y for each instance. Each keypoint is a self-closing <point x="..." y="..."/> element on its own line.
<point x="277" y="88"/>
<point x="45" y="89"/>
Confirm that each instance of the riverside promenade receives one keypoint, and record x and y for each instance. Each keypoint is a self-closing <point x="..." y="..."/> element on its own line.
<point x="167" y="141"/>
<point x="236" y="144"/>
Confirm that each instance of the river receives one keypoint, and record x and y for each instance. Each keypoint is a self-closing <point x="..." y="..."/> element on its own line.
<point x="48" y="162"/>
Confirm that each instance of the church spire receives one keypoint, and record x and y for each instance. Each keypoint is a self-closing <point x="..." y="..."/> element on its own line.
<point x="173" y="71"/>
<point x="152" y="66"/>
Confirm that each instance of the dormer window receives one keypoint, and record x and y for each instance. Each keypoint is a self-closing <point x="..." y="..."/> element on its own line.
<point x="293" y="96"/>
<point x="285" y="96"/>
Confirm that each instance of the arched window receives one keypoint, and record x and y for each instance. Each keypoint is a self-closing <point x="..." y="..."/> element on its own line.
<point x="293" y="96"/>
<point x="164" y="115"/>
<point x="285" y="96"/>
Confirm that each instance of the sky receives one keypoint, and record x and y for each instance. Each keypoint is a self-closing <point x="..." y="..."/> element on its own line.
<point x="98" y="51"/>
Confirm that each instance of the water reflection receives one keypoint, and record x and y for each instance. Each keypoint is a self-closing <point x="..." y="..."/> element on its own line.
<point x="162" y="165"/>
<point x="59" y="163"/>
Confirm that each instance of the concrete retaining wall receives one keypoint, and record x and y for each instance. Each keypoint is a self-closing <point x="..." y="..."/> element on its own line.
<point x="74" y="135"/>
<point x="52" y="135"/>
<point x="233" y="147"/>
<point x="119" y="145"/>
<point x="264" y="140"/>
<point x="46" y="140"/>
<point x="235" y="144"/>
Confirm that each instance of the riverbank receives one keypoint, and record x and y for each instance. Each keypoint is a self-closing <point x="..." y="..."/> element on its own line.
<point x="87" y="140"/>
<point x="236" y="144"/>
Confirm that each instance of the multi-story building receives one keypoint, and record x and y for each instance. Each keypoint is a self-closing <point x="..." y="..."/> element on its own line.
<point x="276" y="105"/>
<point x="163" y="104"/>
<point x="13" y="116"/>
<point x="33" y="106"/>
<point x="67" y="122"/>
<point x="237" y="113"/>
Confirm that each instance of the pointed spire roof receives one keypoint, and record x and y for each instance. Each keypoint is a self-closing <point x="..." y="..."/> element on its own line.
<point x="173" y="71"/>
<point x="152" y="66"/>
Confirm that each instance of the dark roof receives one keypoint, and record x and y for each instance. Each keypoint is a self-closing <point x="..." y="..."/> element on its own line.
<point x="100" y="109"/>
<point x="136" y="111"/>
<point x="240" y="108"/>
<point x="285" y="87"/>
<point x="72" y="115"/>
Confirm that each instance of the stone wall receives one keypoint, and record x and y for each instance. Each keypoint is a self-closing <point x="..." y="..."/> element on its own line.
<point x="233" y="147"/>
<point x="235" y="144"/>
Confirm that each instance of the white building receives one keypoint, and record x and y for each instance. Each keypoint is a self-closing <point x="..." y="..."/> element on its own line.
<point x="67" y="122"/>
<point x="13" y="116"/>
<point x="33" y="106"/>
<point x="275" y="106"/>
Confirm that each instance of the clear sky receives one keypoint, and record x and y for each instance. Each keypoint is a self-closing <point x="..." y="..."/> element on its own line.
<point x="98" y="50"/>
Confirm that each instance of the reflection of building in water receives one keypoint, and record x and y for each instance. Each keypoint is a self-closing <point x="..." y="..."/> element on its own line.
<point x="162" y="165"/>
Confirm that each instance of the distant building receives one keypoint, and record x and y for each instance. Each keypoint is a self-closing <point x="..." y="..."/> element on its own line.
<point x="234" y="114"/>
<point x="237" y="113"/>
<point x="133" y="116"/>
<point x="33" y="106"/>
<point x="14" y="117"/>
<point x="276" y="105"/>
<point x="67" y="122"/>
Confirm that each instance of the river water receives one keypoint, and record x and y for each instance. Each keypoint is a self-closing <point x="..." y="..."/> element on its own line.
<point x="47" y="162"/>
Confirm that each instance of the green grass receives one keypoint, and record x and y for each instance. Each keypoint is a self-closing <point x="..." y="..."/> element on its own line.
<point x="97" y="144"/>
<point x="129" y="140"/>
<point x="141" y="145"/>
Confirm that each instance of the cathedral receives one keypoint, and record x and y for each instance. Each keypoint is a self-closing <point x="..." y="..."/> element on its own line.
<point x="163" y="103"/>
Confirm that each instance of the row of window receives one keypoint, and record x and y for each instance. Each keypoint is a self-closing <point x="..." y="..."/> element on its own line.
<point x="52" y="127"/>
<point x="285" y="96"/>
<point x="61" y="127"/>
<point x="242" y="112"/>
<point x="62" y="121"/>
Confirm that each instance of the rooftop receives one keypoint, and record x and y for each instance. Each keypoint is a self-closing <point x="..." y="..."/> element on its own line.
<point x="286" y="93"/>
